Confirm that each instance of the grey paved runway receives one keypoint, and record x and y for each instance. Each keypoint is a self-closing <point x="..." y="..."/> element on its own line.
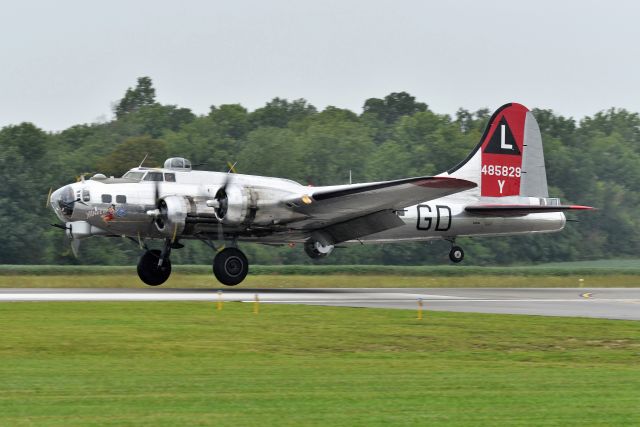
<point x="610" y="303"/>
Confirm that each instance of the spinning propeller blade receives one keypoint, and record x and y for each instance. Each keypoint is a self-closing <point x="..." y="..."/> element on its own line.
<point x="175" y="232"/>
<point x="48" y="197"/>
<point x="75" y="247"/>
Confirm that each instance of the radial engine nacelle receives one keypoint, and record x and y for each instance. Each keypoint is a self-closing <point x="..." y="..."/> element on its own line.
<point x="230" y="204"/>
<point x="171" y="214"/>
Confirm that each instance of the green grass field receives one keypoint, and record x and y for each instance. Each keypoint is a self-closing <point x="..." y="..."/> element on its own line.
<point x="181" y="280"/>
<point x="582" y="268"/>
<point x="170" y="364"/>
<point x="603" y="273"/>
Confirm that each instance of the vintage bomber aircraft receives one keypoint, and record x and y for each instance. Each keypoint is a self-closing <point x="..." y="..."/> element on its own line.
<point x="499" y="189"/>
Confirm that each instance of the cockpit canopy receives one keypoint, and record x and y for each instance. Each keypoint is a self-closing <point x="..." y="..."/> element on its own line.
<point x="177" y="163"/>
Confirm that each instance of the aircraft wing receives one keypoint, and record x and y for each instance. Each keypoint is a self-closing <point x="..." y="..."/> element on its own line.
<point x="350" y="211"/>
<point x="520" y="210"/>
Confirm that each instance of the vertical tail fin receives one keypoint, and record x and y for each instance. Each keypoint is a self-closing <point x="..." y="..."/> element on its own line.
<point x="508" y="160"/>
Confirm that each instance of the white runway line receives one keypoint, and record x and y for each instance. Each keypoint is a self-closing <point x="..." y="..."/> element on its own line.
<point x="602" y="303"/>
<point x="337" y="297"/>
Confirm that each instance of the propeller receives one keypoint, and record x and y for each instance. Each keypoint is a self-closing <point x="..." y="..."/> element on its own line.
<point x="156" y="213"/>
<point x="159" y="214"/>
<point x="220" y="202"/>
<point x="75" y="247"/>
<point x="221" y="197"/>
<point x="232" y="167"/>
<point x="48" y="197"/>
<point x="221" y="210"/>
<point x="75" y="243"/>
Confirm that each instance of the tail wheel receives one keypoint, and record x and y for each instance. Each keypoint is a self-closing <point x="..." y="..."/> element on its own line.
<point x="456" y="254"/>
<point x="148" y="269"/>
<point x="230" y="266"/>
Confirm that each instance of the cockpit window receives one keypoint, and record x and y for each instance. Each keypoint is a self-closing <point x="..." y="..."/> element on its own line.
<point x="170" y="177"/>
<point x="177" y="163"/>
<point x="153" y="176"/>
<point x="86" y="196"/>
<point x="135" y="176"/>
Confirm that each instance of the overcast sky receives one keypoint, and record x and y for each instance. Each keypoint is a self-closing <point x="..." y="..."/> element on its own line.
<point x="67" y="62"/>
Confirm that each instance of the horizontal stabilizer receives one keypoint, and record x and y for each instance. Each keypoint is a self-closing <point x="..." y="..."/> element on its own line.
<point x="521" y="210"/>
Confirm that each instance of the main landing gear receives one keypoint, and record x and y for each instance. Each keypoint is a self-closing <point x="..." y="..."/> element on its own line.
<point x="456" y="254"/>
<point x="230" y="266"/>
<point x="151" y="270"/>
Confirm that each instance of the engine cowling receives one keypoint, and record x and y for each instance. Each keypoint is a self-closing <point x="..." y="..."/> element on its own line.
<point x="172" y="216"/>
<point x="231" y="203"/>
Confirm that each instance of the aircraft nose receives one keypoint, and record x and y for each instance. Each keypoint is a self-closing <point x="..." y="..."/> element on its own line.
<point x="54" y="199"/>
<point x="62" y="202"/>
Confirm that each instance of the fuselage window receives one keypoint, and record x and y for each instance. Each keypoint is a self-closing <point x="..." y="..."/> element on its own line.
<point x="153" y="176"/>
<point x="170" y="177"/>
<point x="106" y="198"/>
<point x="121" y="199"/>
<point x="86" y="197"/>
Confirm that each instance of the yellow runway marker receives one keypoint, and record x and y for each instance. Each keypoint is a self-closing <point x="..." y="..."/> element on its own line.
<point x="256" y="305"/>
<point x="586" y="295"/>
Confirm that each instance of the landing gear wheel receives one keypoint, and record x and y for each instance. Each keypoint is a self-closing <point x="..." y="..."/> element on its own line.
<point x="230" y="266"/>
<point x="456" y="254"/>
<point x="148" y="269"/>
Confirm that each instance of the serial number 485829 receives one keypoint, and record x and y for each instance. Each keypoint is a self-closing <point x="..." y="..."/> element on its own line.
<point x="497" y="170"/>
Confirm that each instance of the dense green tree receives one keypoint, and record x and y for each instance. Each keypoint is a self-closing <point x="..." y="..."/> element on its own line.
<point x="272" y="152"/>
<point x="279" y="112"/>
<point x="393" y="106"/>
<point x="335" y="147"/>
<point x="131" y="152"/>
<point x="205" y="142"/>
<point x="231" y="119"/>
<point x="24" y="174"/>
<point x="155" y="119"/>
<point x="142" y="95"/>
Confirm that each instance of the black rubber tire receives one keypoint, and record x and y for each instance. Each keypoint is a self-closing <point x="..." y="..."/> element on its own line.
<point x="230" y="266"/>
<point x="148" y="270"/>
<point x="456" y="254"/>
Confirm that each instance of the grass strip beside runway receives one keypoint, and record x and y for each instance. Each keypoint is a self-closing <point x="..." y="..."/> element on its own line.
<point x="207" y="281"/>
<point x="579" y="268"/>
<point x="167" y="364"/>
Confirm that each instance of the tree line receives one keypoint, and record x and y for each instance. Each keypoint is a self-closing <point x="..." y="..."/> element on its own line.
<point x="594" y="161"/>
